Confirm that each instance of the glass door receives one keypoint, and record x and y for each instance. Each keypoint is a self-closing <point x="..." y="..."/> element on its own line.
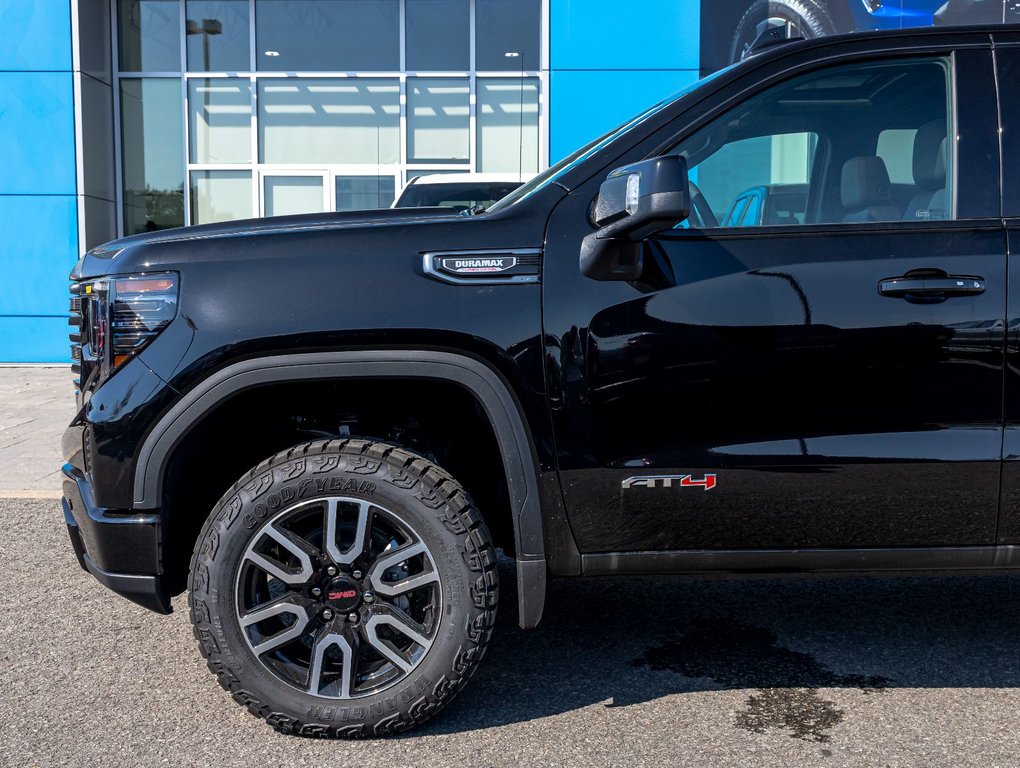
<point x="287" y="192"/>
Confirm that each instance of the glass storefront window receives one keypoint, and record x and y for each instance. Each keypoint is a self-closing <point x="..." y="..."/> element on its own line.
<point x="218" y="36"/>
<point x="219" y="127"/>
<point x="149" y="35"/>
<point x="285" y="195"/>
<point x="362" y="193"/>
<point x="438" y="120"/>
<point x="152" y="147"/>
<point x="220" y="196"/>
<point x="327" y="35"/>
<point x="438" y="35"/>
<point x="507" y="26"/>
<point x="329" y="120"/>
<point x="508" y="125"/>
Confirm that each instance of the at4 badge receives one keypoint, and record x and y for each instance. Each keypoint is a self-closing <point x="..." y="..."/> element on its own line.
<point x="706" y="483"/>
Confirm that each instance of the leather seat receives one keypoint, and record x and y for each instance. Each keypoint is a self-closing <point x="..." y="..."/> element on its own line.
<point x="866" y="192"/>
<point x="930" y="202"/>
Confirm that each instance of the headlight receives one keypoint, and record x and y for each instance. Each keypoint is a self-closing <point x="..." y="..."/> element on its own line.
<point x="124" y="314"/>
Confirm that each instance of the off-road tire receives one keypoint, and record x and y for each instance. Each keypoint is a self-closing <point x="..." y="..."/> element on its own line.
<point x="809" y="18"/>
<point x="448" y="523"/>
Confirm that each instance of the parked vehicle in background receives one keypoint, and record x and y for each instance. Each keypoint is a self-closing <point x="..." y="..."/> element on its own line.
<point x="769" y="204"/>
<point x="461" y="191"/>
<point x="324" y="426"/>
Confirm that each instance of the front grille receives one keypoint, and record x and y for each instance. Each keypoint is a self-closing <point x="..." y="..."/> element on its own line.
<point x="76" y="323"/>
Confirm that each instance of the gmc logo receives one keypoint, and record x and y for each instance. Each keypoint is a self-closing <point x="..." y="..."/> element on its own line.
<point x="706" y="483"/>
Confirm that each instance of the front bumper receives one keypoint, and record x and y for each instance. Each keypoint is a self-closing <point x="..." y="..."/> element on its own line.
<point x="121" y="549"/>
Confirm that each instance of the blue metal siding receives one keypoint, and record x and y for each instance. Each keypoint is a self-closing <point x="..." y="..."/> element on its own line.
<point x="608" y="62"/>
<point x="38" y="203"/>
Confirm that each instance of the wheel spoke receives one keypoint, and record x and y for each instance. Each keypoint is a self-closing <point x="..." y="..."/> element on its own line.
<point x="275" y="568"/>
<point x="387" y="561"/>
<point x="392" y="589"/>
<point x="392" y="616"/>
<point x="294" y="605"/>
<point x="349" y="652"/>
<point x="361" y="533"/>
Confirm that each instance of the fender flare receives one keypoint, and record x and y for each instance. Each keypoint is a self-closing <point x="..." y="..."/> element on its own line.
<point x="486" y="385"/>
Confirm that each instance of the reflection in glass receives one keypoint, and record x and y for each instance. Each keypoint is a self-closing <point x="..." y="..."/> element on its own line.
<point x="362" y="193"/>
<point x="507" y="26"/>
<point x="336" y="120"/>
<point x="438" y="120"/>
<point x="507" y="115"/>
<point x="220" y="120"/>
<point x="438" y="35"/>
<point x="217" y="35"/>
<point x="149" y="35"/>
<point x="220" y="196"/>
<point x="285" y="195"/>
<point x="151" y="149"/>
<point x="327" y="35"/>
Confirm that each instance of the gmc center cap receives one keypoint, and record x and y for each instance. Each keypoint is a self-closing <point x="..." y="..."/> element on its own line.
<point x="343" y="594"/>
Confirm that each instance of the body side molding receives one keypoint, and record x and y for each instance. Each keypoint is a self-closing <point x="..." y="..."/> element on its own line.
<point x="484" y="383"/>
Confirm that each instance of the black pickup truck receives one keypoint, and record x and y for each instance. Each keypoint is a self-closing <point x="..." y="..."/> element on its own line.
<point x="325" y="427"/>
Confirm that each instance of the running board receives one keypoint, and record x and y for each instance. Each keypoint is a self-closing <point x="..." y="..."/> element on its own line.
<point x="801" y="560"/>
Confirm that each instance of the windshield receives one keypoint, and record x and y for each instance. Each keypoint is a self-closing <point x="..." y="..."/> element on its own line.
<point x="570" y="161"/>
<point x="461" y="195"/>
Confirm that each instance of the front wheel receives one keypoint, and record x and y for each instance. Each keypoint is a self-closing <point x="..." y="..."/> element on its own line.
<point x="344" y="589"/>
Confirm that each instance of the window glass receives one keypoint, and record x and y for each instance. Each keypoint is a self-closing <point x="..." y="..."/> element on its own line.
<point x="507" y="116"/>
<point x="285" y="195"/>
<point x="438" y="120"/>
<point x="327" y="35"/>
<point x="507" y="26"/>
<point x="335" y="120"/>
<point x="220" y="196"/>
<point x="218" y="35"/>
<point x="152" y="153"/>
<point x="220" y="120"/>
<point x="362" y="193"/>
<point x="149" y="35"/>
<point x="857" y="143"/>
<point x="438" y="35"/>
<point x="896" y="148"/>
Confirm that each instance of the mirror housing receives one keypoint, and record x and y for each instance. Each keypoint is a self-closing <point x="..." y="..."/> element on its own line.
<point x="634" y="203"/>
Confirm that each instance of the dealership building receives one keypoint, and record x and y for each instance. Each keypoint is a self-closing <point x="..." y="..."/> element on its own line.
<point x="122" y="116"/>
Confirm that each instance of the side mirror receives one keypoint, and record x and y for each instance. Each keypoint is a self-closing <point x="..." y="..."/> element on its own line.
<point x="634" y="203"/>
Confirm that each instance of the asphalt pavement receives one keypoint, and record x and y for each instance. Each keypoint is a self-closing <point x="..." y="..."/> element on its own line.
<point x="630" y="672"/>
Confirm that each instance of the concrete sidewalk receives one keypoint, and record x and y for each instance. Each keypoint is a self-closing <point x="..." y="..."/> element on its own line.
<point x="36" y="403"/>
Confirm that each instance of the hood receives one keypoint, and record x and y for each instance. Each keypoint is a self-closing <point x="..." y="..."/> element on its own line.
<point x="97" y="261"/>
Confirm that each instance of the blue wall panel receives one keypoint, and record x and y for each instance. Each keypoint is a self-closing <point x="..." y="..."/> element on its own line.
<point x="586" y="104"/>
<point x="39" y="250"/>
<point x="37" y="133"/>
<point x="608" y="34"/>
<point x="35" y="34"/>
<point x="34" y="340"/>
<point x="609" y="62"/>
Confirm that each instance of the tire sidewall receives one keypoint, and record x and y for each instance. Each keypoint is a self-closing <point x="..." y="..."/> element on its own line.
<point x="811" y="19"/>
<point x="243" y="514"/>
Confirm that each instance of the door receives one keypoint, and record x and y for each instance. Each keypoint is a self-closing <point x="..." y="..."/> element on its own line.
<point x="825" y="373"/>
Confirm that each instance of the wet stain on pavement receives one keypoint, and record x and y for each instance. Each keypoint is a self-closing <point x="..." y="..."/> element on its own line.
<point x="737" y="656"/>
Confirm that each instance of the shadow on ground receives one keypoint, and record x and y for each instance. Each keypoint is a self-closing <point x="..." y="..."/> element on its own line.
<point x="785" y="642"/>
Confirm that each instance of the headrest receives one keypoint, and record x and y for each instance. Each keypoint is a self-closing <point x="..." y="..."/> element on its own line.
<point x="930" y="155"/>
<point x="865" y="183"/>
